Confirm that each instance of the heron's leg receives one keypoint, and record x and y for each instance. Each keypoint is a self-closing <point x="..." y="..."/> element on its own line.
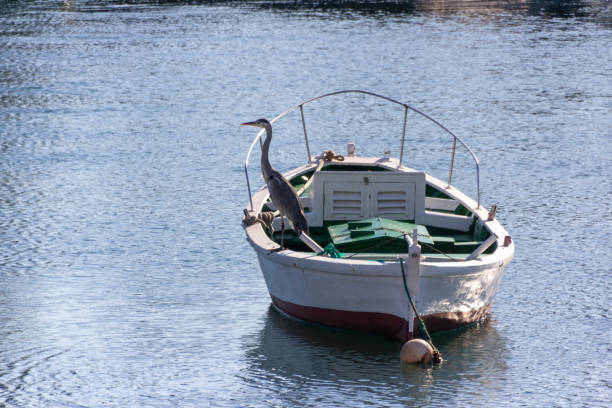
<point x="282" y="237"/>
<point x="282" y="232"/>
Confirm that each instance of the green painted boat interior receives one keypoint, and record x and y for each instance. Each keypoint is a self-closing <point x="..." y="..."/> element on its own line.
<point x="385" y="236"/>
<point x="439" y="241"/>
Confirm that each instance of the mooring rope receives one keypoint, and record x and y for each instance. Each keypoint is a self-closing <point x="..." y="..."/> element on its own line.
<point x="325" y="157"/>
<point x="436" y="249"/>
<point x="437" y="357"/>
<point x="265" y="218"/>
<point x="376" y="245"/>
<point x="331" y="250"/>
<point x="330" y="155"/>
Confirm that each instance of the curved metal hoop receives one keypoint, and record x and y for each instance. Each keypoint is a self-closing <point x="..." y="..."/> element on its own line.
<point x="406" y="109"/>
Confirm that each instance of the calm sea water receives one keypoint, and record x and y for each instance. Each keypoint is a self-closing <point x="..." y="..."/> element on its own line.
<point x="125" y="277"/>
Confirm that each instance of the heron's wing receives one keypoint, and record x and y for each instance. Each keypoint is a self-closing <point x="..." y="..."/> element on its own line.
<point x="283" y="196"/>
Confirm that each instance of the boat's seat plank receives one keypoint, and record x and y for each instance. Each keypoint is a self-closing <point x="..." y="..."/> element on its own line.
<point x="433" y="203"/>
<point x="466" y="246"/>
<point x="444" y="243"/>
<point x="463" y="237"/>
<point x="393" y="257"/>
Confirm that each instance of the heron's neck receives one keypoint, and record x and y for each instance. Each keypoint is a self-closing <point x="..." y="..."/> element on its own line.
<point x="266" y="167"/>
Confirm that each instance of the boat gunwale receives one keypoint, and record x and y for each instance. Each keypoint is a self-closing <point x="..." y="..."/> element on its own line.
<point x="362" y="267"/>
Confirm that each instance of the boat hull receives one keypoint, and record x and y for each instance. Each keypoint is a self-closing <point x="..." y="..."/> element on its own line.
<point x="380" y="323"/>
<point x="369" y="296"/>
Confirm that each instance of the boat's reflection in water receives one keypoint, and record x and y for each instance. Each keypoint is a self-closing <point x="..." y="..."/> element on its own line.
<point x="314" y="360"/>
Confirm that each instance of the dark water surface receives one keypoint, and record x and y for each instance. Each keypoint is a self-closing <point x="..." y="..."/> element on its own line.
<point x="125" y="278"/>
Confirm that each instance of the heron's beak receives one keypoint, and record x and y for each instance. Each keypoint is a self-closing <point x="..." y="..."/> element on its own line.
<point x="248" y="124"/>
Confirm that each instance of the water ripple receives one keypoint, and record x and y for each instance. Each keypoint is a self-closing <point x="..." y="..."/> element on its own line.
<point x="125" y="278"/>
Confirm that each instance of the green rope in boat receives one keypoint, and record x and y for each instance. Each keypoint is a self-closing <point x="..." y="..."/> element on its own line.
<point x="437" y="357"/>
<point x="331" y="250"/>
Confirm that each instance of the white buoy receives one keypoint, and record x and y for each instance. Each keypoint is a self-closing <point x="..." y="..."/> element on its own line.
<point x="416" y="351"/>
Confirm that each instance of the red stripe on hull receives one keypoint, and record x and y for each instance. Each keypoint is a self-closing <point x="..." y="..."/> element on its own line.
<point x="381" y="323"/>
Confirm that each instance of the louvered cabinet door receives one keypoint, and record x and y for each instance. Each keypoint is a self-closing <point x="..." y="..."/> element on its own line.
<point x="345" y="201"/>
<point x="392" y="200"/>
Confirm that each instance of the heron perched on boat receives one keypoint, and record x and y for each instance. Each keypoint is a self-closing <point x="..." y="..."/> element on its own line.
<point x="281" y="192"/>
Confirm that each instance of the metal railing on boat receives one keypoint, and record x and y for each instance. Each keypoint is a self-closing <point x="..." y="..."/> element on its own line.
<point x="406" y="109"/>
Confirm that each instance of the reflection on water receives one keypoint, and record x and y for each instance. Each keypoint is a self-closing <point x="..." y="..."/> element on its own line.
<point x="316" y="363"/>
<point x="291" y="346"/>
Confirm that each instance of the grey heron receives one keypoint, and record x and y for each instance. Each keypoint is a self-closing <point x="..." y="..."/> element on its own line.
<point x="281" y="192"/>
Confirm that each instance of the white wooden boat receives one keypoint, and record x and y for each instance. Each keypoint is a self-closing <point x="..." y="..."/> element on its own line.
<point x="367" y="207"/>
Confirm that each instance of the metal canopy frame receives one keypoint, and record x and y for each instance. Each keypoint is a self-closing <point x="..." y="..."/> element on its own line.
<point x="356" y="91"/>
